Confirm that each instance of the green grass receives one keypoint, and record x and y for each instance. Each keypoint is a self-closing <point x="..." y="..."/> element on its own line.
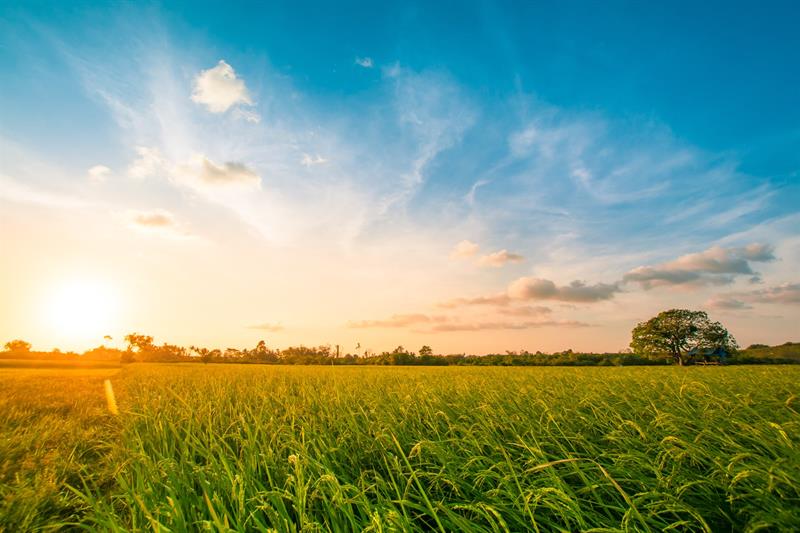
<point x="256" y="448"/>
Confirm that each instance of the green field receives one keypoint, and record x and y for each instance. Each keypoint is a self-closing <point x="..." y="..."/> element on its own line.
<point x="257" y="448"/>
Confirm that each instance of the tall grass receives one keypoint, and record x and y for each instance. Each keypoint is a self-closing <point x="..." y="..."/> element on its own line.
<point x="444" y="449"/>
<point x="51" y="425"/>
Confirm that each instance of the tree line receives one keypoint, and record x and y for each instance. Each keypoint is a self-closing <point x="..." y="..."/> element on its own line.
<point x="677" y="336"/>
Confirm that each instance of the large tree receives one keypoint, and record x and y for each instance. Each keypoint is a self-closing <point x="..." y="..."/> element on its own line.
<point x="678" y="331"/>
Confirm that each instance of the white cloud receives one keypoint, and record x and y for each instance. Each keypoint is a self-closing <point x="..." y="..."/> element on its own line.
<point x="464" y="249"/>
<point x="218" y="89"/>
<point x="365" y="62"/>
<point x="308" y="160"/>
<point x="499" y="259"/>
<point x="98" y="173"/>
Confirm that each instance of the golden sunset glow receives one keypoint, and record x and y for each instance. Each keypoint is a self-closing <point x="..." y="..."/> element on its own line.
<point x="81" y="310"/>
<point x="371" y="198"/>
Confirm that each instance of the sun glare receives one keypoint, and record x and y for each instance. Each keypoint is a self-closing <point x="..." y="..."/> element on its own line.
<point x="82" y="310"/>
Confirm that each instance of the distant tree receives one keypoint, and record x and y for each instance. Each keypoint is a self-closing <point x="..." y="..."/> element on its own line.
<point x="677" y="331"/>
<point x="205" y="354"/>
<point x="232" y="353"/>
<point x="18" y="346"/>
<point x="757" y="346"/>
<point x="425" y="351"/>
<point x="139" y="343"/>
<point x="263" y="354"/>
<point x="101" y="353"/>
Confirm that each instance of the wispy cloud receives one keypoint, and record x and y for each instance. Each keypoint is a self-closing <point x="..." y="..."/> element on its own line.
<point x="153" y="219"/>
<point x="396" y="321"/>
<point x="785" y="294"/>
<point x="528" y="324"/>
<point x="309" y="161"/>
<point x="470" y="196"/>
<point x="499" y="259"/>
<point x="365" y="62"/>
<point x="158" y="222"/>
<point x="526" y="310"/>
<point x="464" y="250"/>
<point x="27" y="178"/>
<point x="149" y="162"/>
<point x="272" y="327"/>
<point x="13" y="191"/>
<point x="495" y="299"/>
<point x="423" y="323"/>
<point x="727" y="304"/>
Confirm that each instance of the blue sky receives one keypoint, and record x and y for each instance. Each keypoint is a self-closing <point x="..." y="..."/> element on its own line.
<point x="583" y="140"/>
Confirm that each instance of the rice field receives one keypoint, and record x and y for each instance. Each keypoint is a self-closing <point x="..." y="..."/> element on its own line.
<point x="269" y="448"/>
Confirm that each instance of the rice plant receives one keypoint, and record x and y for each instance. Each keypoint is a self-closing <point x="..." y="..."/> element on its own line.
<point x="254" y="448"/>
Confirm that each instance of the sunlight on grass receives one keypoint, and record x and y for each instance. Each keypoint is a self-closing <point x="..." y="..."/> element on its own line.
<point x="244" y="447"/>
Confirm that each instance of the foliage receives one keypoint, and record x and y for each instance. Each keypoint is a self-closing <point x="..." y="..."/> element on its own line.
<point x="143" y="349"/>
<point x="243" y="448"/>
<point x="677" y="331"/>
<point x="786" y="353"/>
<point x="18" y="346"/>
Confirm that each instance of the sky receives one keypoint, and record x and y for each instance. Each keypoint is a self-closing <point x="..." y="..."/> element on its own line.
<point x="473" y="176"/>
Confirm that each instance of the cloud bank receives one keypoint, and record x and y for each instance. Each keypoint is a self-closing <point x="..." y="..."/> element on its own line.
<point x="530" y="288"/>
<point x="715" y="266"/>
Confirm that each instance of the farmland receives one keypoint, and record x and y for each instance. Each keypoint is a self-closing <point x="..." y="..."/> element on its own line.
<point x="252" y="447"/>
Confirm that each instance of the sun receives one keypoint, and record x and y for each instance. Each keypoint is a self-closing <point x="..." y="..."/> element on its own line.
<point x="82" y="310"/>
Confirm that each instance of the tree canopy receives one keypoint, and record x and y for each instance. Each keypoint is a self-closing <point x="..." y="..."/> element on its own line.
<point x="677" y="332"/>
<point x="18" y="346"/>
